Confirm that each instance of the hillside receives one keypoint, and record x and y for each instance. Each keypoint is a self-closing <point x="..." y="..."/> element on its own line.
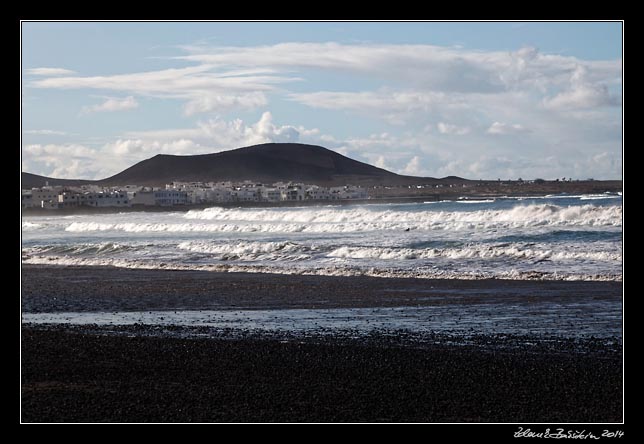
<point x="35" y="181"/>
<point x="271" y="162"/>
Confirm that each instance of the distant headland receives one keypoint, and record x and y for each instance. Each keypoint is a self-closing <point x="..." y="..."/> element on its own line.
<point x="319" y="174"/>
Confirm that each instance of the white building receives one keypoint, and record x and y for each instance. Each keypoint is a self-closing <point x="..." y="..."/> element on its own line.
<point x="183" y="193"/>
<point x="315" y="192"/>
<point x="218" y="194"/>
<point x="350" y="192"/>
<point x="271" y="194"/>
<point x="45" y="197"/>
<point x="293" y="192"/>
<point x="68" y="199"/>
<point x="105" y="198"/>
<point x="244" y="194"/>
<point x="170" y="197"/>
<point x="26" y="200"/>
<point x="144" y="197"/>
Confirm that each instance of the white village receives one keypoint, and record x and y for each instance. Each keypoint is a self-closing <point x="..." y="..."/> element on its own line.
<point x="182" y="193"/>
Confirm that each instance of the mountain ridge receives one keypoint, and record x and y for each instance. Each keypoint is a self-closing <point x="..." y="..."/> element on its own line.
<point x="270" y="162"/>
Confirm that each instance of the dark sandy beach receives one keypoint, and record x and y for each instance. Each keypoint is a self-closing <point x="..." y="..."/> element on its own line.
<point x="82" y="288"/>
<point x="137" y="373"/>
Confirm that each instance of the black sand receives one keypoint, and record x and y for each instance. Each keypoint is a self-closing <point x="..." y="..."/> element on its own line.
<point x="78" y="374"/>
<point x="77" y="288"/>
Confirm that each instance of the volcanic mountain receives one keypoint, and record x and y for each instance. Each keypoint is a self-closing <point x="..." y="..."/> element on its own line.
<point x="269" y="163"/>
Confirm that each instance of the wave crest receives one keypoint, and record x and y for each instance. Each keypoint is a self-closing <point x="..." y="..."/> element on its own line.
<point x="470" y="252"/>
<point x="331" y="220"/>
<point x="326" y="270"/>
<point x="250" y="251"/>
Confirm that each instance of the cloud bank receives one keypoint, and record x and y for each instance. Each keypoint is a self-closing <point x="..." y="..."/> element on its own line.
<point x="112" y="104"/>
<point x="442" y="110"/>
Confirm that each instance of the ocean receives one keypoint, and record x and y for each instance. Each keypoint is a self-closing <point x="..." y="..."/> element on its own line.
<point x="559" y="237"/>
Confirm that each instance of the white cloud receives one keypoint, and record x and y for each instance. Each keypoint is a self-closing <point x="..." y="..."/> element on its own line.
<point x="418" y="94"/>
<point x="221" y="102"/>
<point x="414" y="154"/>
<point x="429" y="67"/>
<point x="72" y="169"/>
<point x="63" y="161"/>
<point x="400" y="101"/>
<point x="395" y="107"/>
<point x="582" y="96"/>
<point x="49" y="72"/>
<point x="239" y="77"/>
<point x="381" y="163"/>
<point x="386" y="151"/>
<point x="439" y="67"/>
<point x="79" y="161"/>
<point x="203" y="87"/>
<point x="126" y="147"/>
<point x="413" y="168"/>
<point x="451" y="129"/>
<point x="217" y="134"/>
<point x="208" y="136"/>
<point x="112" y="104"/>
<point x="447" y="88"/>
<point x="581" y="93"/>
<point x="45" y="132"/>
<point x="70" y="150"/>
<point x="506" y="128"/>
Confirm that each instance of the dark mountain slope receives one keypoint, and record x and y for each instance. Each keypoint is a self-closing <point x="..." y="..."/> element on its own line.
<point x="271" y="162"/>
<point x="35" y="181"/>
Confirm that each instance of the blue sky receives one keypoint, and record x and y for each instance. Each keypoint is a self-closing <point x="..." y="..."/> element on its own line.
<point x="478" y="100"/>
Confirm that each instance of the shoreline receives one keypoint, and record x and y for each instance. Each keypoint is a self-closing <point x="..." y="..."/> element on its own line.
<point x="131" y="289"/>
<point x="384" y="197"/>
<point x="189" y="207"/>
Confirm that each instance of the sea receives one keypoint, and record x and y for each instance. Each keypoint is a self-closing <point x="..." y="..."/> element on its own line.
<point x="556" y="237"/>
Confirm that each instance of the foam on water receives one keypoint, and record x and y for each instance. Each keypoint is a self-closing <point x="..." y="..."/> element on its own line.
<point x="382" y="272"/>
<point x="482" y="252"/>
<point x="501" y="238"/>
<point x="307" y="220"/>
<point x="28" y="226"/>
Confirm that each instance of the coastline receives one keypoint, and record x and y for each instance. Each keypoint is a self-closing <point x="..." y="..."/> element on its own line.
<point x="384" y="195"/>
<point x="189" y="207"/>
<point x="59" y="288"/>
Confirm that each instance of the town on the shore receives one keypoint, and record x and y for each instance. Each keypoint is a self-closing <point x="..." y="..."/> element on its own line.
<point x="182" y="193"/>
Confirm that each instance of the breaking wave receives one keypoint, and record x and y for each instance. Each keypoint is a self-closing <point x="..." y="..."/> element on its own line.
<point x="29" y="226"/>
<point x="251" y="251"/>
<point x="501" y="239"/>
<point x="331" y="220"/>
<point x="326" y="270"/>
<point x="80" y="249"/>
<point x="519" y="216"/>
<point x="475" y="201"/>
<point x="292" y="251"/>
<point x="472" y="252"/>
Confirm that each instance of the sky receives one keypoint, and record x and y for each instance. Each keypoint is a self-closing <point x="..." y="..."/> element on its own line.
<point x="481" y="100"/>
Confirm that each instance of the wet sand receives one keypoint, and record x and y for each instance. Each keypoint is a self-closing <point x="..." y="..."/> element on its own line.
<point x="81" y="288"/>
<point x="140" y="373"/>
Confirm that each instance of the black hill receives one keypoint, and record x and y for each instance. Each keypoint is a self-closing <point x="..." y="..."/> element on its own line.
<point x="270" y="162"/>
<point x="35" y="181"/>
